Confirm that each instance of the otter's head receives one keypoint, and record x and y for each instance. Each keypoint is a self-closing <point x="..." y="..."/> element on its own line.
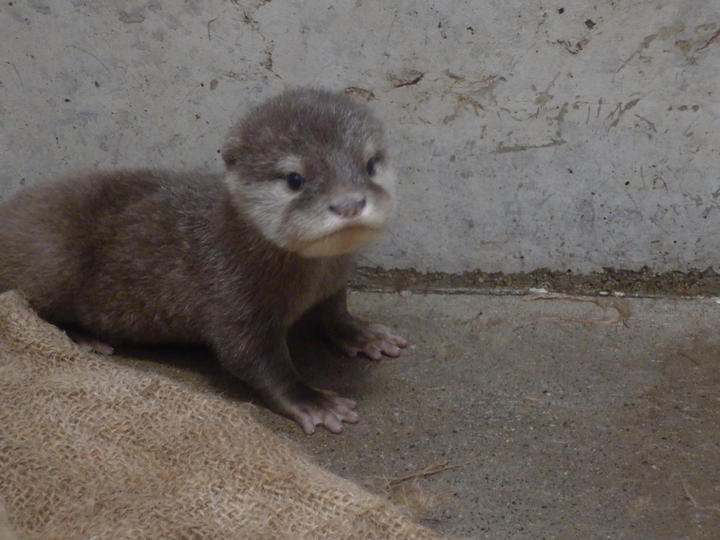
<point x="309" y="169"/>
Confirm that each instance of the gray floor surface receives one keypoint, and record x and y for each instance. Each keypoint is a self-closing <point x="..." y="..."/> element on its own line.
<point x="540" y="418"/>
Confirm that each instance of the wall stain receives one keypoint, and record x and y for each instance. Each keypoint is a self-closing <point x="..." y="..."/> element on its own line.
<point x="560" y="119"/>
<point x="644" y="44"/>
<point x="409" y="77"/>
<point x="668" y="31"/>
<point x="573" y="47"/>
<point x="470" y="94"/>
<point x="502" y="149"/>
<point x="649" y="124"/>
<point x="362" y="93"/>
<point x="542" y="99"/>
<point x="544" y="96"/>
<point x="209" y="24"/>
<point x="686" y="46"/>
<point x="267" y="62"/>
<point x="705" y="27"/>
<point x="620" y="110"/>
<point x="715" y="38"/>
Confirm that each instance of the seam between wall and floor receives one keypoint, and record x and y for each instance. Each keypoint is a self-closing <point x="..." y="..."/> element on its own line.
<point x="693" y="284"/>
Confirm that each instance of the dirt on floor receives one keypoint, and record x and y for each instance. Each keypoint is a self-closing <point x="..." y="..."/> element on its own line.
<point x="640" y="283"/>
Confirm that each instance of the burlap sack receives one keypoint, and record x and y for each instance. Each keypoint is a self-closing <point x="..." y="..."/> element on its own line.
<point x="6" y="532"/>
<point x="93" y="449"/>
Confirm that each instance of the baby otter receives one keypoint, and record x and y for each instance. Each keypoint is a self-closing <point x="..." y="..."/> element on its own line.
<point x="232" y="260"/>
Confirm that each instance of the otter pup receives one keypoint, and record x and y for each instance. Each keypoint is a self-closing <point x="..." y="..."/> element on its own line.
<point x="231" y="261"/>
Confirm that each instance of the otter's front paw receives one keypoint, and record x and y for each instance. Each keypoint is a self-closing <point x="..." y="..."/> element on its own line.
<point x="310" y="408"/>
<point x="372" y="340"/>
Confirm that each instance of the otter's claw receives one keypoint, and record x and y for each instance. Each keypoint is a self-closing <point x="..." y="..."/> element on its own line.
<point x="373" y="340"/>
<point x="319" y="407"/>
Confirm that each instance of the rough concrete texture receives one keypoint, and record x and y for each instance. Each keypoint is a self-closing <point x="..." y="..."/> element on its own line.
<point x="544" y="418"/>
<point x="558" y="134"/>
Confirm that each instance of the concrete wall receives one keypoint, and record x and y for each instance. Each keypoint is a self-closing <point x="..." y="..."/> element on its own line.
<point x="566" y="134"/>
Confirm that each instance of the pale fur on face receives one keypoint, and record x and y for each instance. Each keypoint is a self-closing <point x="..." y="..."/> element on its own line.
<point x="291" y="163"/>
<point x="386" y="178"/>
<point x="314" y="231"/>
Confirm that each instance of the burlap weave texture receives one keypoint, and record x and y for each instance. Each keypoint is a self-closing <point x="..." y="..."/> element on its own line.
<point x="93" y="449"/>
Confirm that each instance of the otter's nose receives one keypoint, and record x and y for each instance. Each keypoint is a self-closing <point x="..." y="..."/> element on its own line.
<point x="348" y="207"/>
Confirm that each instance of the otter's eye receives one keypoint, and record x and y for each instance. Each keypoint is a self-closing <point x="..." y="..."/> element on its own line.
<point x="295" y="181"/>
<point x="370" y="166"/>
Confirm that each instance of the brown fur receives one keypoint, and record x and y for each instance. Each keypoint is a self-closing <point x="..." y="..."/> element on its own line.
<point x="155" y="257"/>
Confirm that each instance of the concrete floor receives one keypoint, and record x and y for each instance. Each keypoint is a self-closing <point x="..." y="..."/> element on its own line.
<point x="563" y="419"/>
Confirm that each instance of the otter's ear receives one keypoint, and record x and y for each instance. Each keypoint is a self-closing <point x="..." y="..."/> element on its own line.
<point x="231" y="152"/>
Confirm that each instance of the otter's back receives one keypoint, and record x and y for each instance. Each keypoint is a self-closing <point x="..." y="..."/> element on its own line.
<point x="50" y="232"/>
